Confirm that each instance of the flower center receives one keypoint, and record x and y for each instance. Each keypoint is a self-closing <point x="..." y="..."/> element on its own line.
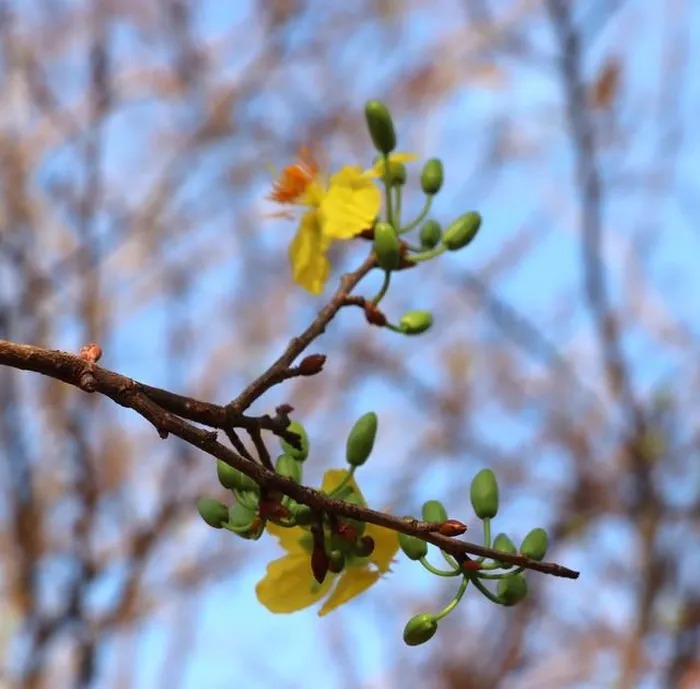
<point x="296" y="179"/>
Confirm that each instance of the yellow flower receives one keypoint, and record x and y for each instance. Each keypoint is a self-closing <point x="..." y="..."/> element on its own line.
<point x="289" y="584"/>
<point x="337" y="210"/>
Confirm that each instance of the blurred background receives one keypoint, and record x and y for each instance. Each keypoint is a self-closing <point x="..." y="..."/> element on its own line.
<point x="138" y="139"/>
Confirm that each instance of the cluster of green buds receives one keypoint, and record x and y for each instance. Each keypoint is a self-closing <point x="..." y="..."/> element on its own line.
<point x="332" y="542"/>
<point x="510" y="582"/>
<point x="392" y="249"/>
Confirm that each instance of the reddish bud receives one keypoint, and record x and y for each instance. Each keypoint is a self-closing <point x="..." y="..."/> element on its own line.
<point x="312" y="364"/>
<point x="471" y="566"/>
<point x="91" y="352"/>
<point x="374" y="315"/>
<point x="347" y="532"/>
<point x="452" y="527"/>
<point x="273" y="510"/>
<point x="365" y="546"/>
<point x="319" y="563"/>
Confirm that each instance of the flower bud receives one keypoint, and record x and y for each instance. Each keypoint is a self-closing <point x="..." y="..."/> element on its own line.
<point x="312" y="364"/>
<point x="535" y="544"/>
<point x="415" y="322"/>
<point x="505" y="545"/>
<point x="336" y="561"/>
<point x="386" y="246"/>
<point x="452" y="527"/>
<point x="461" y="231"/>
<point x="234" y="479"/>
<point x="302" y="514"/>
<point x="430" y="234"/>
<point x="240" y="516"/>
<point x="287" y="466"/>
<point x="413" y="548"/>
<point x="214" y="512"/>
<point x="319" y="563"/>
<point x="484" y="494"/>
<point x="512" y="589"/>
<point x="420" y="629"/>
<point x="432" y="176"/>
<point x="361" y="439"/>
<point x="299" y="453"/>
<point x="434" y="511"/>
<point x="364" y="547"/>
<point x="380" y="126"/>
<point x="397" y="174"/>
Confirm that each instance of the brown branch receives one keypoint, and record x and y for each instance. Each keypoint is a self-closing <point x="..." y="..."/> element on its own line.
<point x="275" y="373"/>
<point x="129" y="393"/>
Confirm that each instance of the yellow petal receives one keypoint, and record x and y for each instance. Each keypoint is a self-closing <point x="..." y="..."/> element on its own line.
<point x="289" y="585"/>
<point x="350" y="205"/>
<point x="352" y="583"/>
<point x="386" y="544"/>
<point x="289" y="539"/>
<point x="334" y="477"/>
<point x="377" y="169"/>
<point x="307" y="254"/>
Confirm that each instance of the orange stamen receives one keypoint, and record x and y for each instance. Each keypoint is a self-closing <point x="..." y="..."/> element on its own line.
<point x="295" y="179"/>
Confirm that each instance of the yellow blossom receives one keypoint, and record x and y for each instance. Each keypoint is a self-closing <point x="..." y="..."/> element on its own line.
<point x="289" y="584"/>
<point x="335" y="210"/>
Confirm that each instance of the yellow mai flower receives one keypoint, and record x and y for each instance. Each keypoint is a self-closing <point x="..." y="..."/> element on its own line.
<point x="289" y="584"/>
<point x="335" y="210"/>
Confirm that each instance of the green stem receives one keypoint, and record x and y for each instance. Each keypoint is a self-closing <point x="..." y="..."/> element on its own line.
<point x="450" y="560"/>
<point x="346" y="479"/>
<point x="487" y="532"/>
<point x="455" y="601"/>
<point x="439" y="572"/>
<point x="397" y="207"/>
<point x="484" y="590"/>
<point x="387" y="190"/>
<point x="393" y="327"/>
<point x="420" y="218"/>
<point x="427" y="255"/>
<point x="384" y="288"/>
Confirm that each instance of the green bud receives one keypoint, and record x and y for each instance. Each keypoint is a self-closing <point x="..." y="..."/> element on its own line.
<point x="306" y="541"/>
<point x="434" y="511"/>
<point x="420" y="629"/>
<point x="288" y="466"/>
<point x="336" y="561"/>
<point x="234" y="479"/>
<point x="461" y="231"/>
<point x="397" y="171"/>
<point x="432" y="176"/>
<point x="535" y="544"/>
<point x="484" y="494"/>
<point x="380" y="126"/>
<point x="361" y="439"/>
<point x="415" y="322"/>
<point x="387" y="246"/>
<point x="302" y="514"/>
<point x="240" y="515"/>
<point x="214" y="512"/>
<point x="430" y="234"/>
<point x="413" y="548"/>
<point x="364" y="547"/>
<point x="511" y="590"/>
<point x="505" y="545"/>
<point x="299" y="454"/>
